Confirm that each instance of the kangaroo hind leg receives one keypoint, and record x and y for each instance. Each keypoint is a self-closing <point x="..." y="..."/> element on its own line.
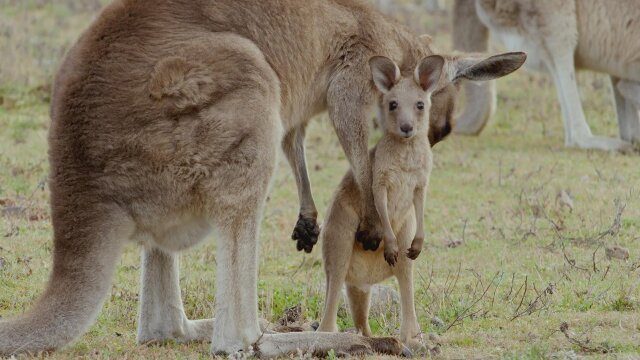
<point x="337" y="248"/>
<point x="161" y="315"/>
<point x="359" y="303"/>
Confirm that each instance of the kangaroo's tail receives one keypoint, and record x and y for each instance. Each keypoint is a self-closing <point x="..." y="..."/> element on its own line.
<point x="86" y="247"/>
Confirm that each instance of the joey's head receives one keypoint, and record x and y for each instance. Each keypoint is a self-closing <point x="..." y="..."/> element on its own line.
<point x="441" y="76"/>
<point x="406" y="100"/>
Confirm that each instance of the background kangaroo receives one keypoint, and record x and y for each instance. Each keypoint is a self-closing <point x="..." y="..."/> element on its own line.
<point x="401" y="163"/>
<point x="166" y="119"/>
<point x="560" y="37"/>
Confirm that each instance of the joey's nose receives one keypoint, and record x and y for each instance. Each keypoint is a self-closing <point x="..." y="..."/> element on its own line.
<point x="406" y="129"/>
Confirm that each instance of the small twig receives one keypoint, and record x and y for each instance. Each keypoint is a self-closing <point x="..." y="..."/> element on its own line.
<point x="452" y="286"/>
<point x="526" y="286"/>
<point x="304" y="259"/>
<point x="495" y="291"/>
<point x="518" y="292"/>
<point x="513" y="277"/>
<point x="606" y="272"/>
<point x="424" y="281"/>
<point x="464" y="313"/>
<point x="464" y="229"/>
<point x="534" y="305"/>
<point x="583" y="345"/>
<point x="572" y="262"/>
<point x="593" y="258"/>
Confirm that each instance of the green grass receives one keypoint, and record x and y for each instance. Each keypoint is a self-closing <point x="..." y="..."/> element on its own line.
<point x="497" y="192"/>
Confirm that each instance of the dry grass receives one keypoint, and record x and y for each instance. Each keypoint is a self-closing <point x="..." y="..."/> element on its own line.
<point x="525" y="262"/>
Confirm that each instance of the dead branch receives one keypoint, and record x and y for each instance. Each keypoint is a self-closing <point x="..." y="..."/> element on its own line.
<point x="513" y="277"/>
<point x="452" y="286"/>
<point x="582" y="344"/>
<point x="540" y="302"/>
<point x="593" y="258"/>
<point x="572" y="262"/>
<point x="524" y="294"/>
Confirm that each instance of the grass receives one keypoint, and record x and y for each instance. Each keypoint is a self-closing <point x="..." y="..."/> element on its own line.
<point x="497" y="193"/>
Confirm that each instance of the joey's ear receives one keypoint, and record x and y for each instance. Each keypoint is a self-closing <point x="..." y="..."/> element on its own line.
<point x="385" y="73"/>
<point x="426" y="39"/>
<point x="428" y="72"/>
<point x="480" y="69"/>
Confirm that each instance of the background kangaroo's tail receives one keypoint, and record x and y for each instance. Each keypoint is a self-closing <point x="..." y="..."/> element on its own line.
<point x="470" y="35"/>
<point x="86" y="248"/>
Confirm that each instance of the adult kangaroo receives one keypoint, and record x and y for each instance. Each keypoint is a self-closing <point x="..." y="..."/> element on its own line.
<point x="166" y="121"/>
<point x="560" y="36"/>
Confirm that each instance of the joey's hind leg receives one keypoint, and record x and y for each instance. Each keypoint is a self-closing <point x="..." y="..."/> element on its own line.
<point x="359" y="304"/>
<point x="409" y="328"/>
<point x="335" y="276"/>
<point x="162" y="314"/>
<point x="337" y="248"/>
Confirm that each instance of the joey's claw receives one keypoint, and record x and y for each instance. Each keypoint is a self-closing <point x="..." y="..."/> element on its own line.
<point x="391" y="257"/>
<point x="305" y="233"/>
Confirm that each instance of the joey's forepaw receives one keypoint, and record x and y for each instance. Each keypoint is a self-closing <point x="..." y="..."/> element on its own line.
<point x="416" y="248"/>
<point x="391" y="256"/>
<point x="306" y="233"/>
<point x="413" y="253"/>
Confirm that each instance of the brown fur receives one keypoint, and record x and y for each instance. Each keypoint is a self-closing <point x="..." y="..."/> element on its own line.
<point x="166" y="119"/>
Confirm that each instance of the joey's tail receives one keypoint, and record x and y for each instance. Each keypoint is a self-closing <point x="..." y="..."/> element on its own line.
<point x="86" y="247"/>
<point x="470" y="35"/>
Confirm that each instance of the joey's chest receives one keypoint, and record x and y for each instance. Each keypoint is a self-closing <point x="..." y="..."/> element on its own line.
<point x="401" y="177"/>
<point x="400" y="173"/>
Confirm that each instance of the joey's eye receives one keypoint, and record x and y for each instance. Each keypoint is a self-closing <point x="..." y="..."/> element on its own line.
<point x="393" y="105"/>
<point x="420" y="105"/>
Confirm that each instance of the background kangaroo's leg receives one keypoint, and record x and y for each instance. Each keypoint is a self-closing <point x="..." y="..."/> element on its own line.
<point x="359" y="303"/>
<point x="627" y="97"/>
<point x="162" y="314"/>
<point x="577" y="131"/>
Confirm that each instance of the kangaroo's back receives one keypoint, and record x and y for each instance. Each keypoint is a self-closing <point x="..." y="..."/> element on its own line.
<point x="608" y="33"/>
